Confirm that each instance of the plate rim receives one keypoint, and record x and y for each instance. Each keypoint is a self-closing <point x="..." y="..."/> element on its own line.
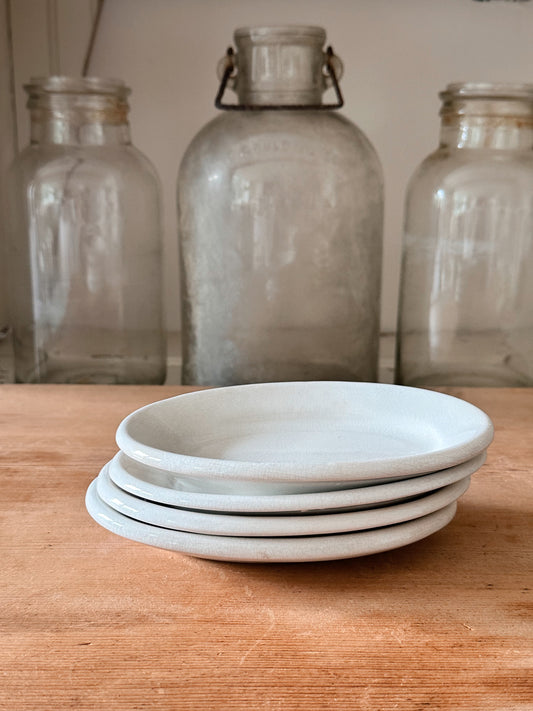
<point x="282" y="550"/>
<point x="175" y="518"/>
<point x="290" y="471"/>
<point x="290" y="503"/>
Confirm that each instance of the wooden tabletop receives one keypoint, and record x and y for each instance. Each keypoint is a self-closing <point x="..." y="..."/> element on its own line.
<point x="90" y="620"/>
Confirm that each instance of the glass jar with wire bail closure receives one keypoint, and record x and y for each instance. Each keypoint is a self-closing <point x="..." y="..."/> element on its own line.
<point x="466" y="296"/>
<point x="85" y="241"/>
<point x="280" y="204"/>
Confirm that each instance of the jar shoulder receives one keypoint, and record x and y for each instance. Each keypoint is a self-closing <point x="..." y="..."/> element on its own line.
<point x="232" y="135"/>
<point x="463" y="169"/>
<point x="121" y="165"/>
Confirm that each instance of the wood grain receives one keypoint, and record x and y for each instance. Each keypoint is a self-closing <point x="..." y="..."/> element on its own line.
<point x="92" y="621"/>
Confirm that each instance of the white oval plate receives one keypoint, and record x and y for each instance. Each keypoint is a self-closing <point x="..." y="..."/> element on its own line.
<point x="304" y="433"/>
<point x="264" y="526"/>
<point x="167" y="488"/>
<point x="268" y="550"/>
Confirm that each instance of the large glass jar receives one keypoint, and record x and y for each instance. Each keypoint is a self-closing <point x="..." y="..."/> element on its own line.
<point x="280" y="219"/>
<point x="85" y="241"/>
<point x="466" y="298"/>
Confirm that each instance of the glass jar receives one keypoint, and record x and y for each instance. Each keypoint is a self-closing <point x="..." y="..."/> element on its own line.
<point x="85" y="241"/>
<point x="280" y="218"/>
<point x="466" y="296"/>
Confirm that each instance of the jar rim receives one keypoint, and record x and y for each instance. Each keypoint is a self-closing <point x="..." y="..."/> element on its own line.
<point x="57" y="84"/>
<point x="281" y="33"/>
<point x="487" y="90"/>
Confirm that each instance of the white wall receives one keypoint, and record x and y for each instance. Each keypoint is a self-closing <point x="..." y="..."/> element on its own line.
<point x="397" y="53"/>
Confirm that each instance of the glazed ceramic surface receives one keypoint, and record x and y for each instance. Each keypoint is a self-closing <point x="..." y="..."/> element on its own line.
<point x="166" y="488"/>
<point x="312" y="435"/>
<point x="246" y="525"/>
<point x="262" y="550"/>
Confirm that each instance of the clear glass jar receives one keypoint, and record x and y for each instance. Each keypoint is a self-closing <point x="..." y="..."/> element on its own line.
<point x="85" y="241"/>
<point x="466" y="296"/>
<point x="280" y="222"/>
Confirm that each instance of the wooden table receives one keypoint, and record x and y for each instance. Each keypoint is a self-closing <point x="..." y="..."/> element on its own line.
<point x="92" y="621"/>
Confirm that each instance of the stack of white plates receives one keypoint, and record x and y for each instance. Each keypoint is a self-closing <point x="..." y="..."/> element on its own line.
<point x="288" y="472"/>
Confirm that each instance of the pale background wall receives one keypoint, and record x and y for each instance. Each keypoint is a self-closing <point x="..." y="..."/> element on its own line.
<point x="397" y="54"/>
<point x="7" y="152"/>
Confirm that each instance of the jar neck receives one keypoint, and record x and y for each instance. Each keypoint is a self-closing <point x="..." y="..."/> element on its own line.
<point x="481" y="116"/>
<point x="63" y="130"/>
<point x="280" y="65"/>
<point x="73" y="112"/>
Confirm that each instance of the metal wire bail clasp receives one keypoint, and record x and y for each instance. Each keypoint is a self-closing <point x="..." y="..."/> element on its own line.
<point x="227" y="67"/>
